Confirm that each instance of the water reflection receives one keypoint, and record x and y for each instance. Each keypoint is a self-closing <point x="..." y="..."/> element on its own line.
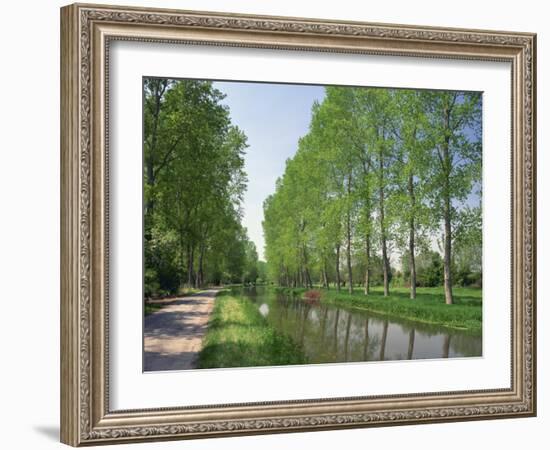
<point x="264" y="309"/>
<point x="328" y="333"/>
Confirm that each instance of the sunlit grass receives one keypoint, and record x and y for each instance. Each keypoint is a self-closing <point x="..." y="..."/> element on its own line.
<point x="238" y="336"/>
<point x="188" y="291"/>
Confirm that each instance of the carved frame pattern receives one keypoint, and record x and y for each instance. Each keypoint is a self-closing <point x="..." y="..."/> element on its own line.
<point x="86" y="33"/>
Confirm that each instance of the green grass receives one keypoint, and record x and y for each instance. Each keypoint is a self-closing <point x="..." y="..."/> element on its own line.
<point x="428" y="307"/>
<point x="152" y="307"/>
<point x="239" y="336"/>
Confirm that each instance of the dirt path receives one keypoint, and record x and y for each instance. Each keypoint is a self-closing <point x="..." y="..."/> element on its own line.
<point x="173" y="335"/>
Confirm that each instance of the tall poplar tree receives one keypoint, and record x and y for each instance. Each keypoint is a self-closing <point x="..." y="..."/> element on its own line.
<point x="455" y="131"/>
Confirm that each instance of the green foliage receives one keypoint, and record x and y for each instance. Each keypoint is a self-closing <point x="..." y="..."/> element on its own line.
<point x="162" y="276"/>
<point x="238" y="336"/>
<point x="430" y="269"/>
<point x="262" y="272"/>
<point x="467" y="256"/>
<point x="380" y="172"/>
<point x="250" y="274"/>
<point x="194" y="182"/>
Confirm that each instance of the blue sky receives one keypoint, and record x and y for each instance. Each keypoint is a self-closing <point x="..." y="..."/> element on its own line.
<point x="273" y="117"/>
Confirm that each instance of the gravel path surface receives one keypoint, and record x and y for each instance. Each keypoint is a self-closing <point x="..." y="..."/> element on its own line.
<point x="173" y="335"/>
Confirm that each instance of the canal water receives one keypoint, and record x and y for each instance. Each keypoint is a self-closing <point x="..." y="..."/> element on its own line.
<point x="329" y="333"/>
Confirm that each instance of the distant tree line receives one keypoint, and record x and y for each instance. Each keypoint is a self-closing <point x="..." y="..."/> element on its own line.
<point x="194" y="181"/>
<point x="381" y="172"/>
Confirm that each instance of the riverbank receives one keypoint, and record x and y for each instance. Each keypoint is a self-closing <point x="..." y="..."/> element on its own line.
<point x="429" y="306"/>
<point x="239" y="336"/>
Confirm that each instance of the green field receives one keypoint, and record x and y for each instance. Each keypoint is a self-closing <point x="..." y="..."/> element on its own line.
<point x="239" y="336"/>
<point x="428" y="307"/>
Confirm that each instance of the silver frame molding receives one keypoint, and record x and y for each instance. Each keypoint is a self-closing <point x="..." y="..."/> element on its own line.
<point x="86" y="32"/>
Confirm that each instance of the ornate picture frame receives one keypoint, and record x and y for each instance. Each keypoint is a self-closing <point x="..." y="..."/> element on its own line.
<point x="87" y="32"/>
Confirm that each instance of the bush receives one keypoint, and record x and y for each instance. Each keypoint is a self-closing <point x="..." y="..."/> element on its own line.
<point x="168" y="278"/>
<point x="312" y="296"/>
<point x="429" y="272"/>
<point x="162" y="276"/>
<point x="151" y="285"/>
<point x="465" y="278"/>
<point x="398" y="280"/>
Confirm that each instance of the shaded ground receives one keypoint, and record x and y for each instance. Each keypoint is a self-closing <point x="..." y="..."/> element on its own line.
<point x="173" y="335"/>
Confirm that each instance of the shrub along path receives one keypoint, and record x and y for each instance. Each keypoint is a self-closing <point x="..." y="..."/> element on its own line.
<point x="173" y="335"/>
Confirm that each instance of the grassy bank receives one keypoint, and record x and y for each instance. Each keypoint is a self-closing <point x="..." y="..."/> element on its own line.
<point x="150" y="308"/>
<point x="428" y="307"/>
<point x="238" y="336"/>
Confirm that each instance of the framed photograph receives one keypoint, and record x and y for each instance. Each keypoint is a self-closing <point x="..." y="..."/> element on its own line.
<point x="275" y="224"/>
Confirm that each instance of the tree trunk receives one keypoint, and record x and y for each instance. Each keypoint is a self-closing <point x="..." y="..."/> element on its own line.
<point x="190" y="269"/>
<point x="348" y="255"/>
<point x="412" y="261"/>
<point x="338" y="267"/>
<point x="150" y="181"/>
<point x="348" y="238"/>
<point x="200" y="275"/>
<point x="158" y="93"/>
<point x="412" y="232"/>
<point x="367" y="269"/>
<point x="447" y="163"/>
<point x="308" y="279"/>
<point x="307" y="275"/>
<point x="325" y="274"/>
<point x="448" y="283"/>
<point x="385" y="263"/>
<point x="385" y="267"/>
<point x="184" y="256"/>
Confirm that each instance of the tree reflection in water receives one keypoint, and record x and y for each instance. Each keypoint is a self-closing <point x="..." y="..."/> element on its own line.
<point x="328" y="333"/>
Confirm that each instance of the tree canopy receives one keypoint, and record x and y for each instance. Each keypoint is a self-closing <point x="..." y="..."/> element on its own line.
<point x="381" y="172"/>
<point x="194" y="181"/>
